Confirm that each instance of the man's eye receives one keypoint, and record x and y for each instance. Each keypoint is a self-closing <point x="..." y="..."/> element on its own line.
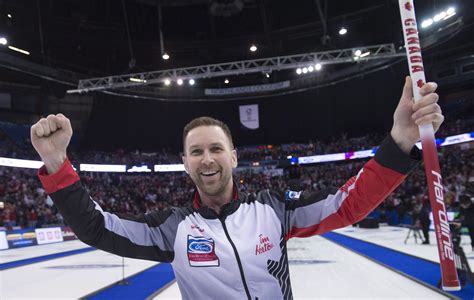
<point x="196" y="152"/>
<point x="216" y="149"/>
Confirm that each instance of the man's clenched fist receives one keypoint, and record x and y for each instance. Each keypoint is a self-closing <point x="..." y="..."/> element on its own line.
<point x="50" y="137"/>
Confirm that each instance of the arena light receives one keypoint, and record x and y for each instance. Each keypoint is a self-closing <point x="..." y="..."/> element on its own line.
<point x="165" y="56"/>
<point x="19" y="50"/>
<point x="450" y="12"/>
<point x="305" y="70"/>
<point x="439" y="16"/>
<point x="167" y="82"/>
<point x="9" y="16"/>
<point x="310" y="69"/>
<point x="179" y="81"/>
<point x="169" y="168"/>
<point x="357" y="54"/>
<point x="365" y="54"/>
<point x="342" y="31"/>
<point x="318" y="67"/>
<point x="444" y="15"/>
<point x="426" y="23"/>
<point x="321" y="158"/>
<point x="253" y="48"/>
<point x="226" y="81"/>
<point x="139" y="169"/>
<point x="267" y="75"/>
<point x="20" y="163"/>
<point x="3" y="41"/>
<point x="134" y="79"/>
<point x="361" y="154"/>
<point x="102" y="168"/>
<point x="191" y="82"/>
<point x="457" y="139"/>
<point x="298" y="71"/>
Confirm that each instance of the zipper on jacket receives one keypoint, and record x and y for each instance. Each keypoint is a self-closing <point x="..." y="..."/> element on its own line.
<point x="238" y="259"/>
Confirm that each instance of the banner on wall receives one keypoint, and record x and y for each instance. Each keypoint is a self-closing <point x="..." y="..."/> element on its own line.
<point x="48" y="235"/>
<point x="249" y="116"/>
<point x="250" y="89"/>
<point x="21" y="238"/>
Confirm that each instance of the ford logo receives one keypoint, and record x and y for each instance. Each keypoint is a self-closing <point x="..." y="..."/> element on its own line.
<point x="200" y="247"/>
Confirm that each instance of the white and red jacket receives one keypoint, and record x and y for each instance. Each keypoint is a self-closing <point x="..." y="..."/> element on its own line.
<point x="240" y="253"/>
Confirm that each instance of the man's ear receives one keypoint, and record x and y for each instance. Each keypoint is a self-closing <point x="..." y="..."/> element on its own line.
<point x="234" y="159"/>
<point x="185" y="162"/>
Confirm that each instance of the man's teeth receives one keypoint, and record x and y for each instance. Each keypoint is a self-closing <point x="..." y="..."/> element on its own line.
<point x="209" y="173"/>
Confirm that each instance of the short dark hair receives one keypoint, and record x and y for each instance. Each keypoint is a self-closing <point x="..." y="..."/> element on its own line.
<point x="206" y="121"/>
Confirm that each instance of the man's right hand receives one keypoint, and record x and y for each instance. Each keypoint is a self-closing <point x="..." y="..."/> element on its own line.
<point x="50" y="137"/>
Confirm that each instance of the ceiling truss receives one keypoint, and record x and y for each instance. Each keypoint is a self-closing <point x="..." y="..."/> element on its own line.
<point x="263" y="65"/>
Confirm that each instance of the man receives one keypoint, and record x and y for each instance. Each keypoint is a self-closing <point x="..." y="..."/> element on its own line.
<point x="229" y="245"/>
<point x="421" y="215"/>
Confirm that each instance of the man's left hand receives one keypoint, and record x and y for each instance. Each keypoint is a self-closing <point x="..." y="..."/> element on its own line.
<point x="409" y="114"/>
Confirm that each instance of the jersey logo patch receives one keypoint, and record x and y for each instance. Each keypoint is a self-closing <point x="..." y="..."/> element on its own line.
<point x="201" y="252"/>
<point x="264" y="245"/>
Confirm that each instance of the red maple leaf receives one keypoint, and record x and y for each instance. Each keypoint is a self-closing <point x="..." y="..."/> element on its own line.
<point x="420" y="83"/>
<point x="408" y="6"/>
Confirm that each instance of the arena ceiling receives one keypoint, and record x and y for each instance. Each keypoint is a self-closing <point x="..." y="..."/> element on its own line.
<point x="111" y="37"/>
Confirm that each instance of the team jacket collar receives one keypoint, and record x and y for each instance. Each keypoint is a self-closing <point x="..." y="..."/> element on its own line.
<point x="209" y="213"/>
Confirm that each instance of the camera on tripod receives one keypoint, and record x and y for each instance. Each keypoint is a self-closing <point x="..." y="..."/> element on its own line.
<point x="456" y="233"/>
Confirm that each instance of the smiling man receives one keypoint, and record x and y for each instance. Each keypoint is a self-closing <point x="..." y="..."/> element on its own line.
<point x="230" y="245"/>
<point x="209" y="157"/>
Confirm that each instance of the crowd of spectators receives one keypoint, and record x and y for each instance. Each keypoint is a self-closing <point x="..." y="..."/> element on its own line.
<point x="343" y="143"/>
<point x="457" y="167"/>
<point x="26" y="204"/>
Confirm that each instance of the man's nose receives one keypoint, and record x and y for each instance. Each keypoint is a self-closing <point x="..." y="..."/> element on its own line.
<point x="207" y="158"/>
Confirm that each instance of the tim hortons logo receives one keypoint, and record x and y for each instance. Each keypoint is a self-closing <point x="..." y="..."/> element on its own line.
<point x="264" y="245"/>
<point x="413" y="45"/>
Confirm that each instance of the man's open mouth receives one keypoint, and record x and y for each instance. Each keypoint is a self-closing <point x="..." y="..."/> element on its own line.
<point x="209" y="173"/>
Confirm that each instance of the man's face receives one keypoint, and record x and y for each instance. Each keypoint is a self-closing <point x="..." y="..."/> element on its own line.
<point x="209" y="159"/>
